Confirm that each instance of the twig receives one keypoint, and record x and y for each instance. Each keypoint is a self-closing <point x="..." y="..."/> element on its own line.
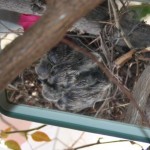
<point x="76" y="141"/>
<point x="29" y="144"/>
<point x="83" y="36"/>
<point x="123" y="4"/>
<point x="12" y="87"/>
<point x="6" y="122"/>
<point x="134" y="143"/>
<point x="57" y="132"/>
<point x="128" y="72"/>
<point x="101" y="108"/>
<point x="110" y="76"/>
<point x="60" y="140"/>
<point x="105" y="51"/>
<point x="121" y="105"/>
<point x="88" y="145"/>
<point x="26" y="131"/>
<point x="119" y="62"/>
<point x="98" y="142"/>
<point x="116" y="17"/>
<point x="104" y="103"/>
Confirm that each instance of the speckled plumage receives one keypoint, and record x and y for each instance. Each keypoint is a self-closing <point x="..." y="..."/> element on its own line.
<point x="71" y="80"/>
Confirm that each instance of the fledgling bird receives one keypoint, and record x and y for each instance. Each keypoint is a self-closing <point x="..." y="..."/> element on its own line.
<point x="71" y="80"/>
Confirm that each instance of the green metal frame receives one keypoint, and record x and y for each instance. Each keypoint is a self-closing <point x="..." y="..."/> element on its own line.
<point x="74" y="121"/>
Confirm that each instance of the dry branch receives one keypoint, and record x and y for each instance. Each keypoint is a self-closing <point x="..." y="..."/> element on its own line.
<point x="40" y="38"/>
<point x="119" y="62"/>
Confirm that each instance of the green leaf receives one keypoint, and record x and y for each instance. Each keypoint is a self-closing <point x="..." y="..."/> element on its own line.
<point x="39" y="136"/>
<point x="12" y="145"/>
<point x="141" y="10"/>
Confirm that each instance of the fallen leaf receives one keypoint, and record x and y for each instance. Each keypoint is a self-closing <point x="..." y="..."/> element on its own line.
<point x="39" y="136"/>
<point x="12" y="145"/>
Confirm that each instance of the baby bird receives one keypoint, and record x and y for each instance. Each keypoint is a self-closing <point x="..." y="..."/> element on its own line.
<point x="70" y="80"/>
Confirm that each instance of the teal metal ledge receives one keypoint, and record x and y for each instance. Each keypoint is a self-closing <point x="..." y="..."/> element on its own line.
<point x="74" y="121"/>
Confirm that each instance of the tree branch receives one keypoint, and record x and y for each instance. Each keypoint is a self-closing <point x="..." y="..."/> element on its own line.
<point x="26" y="131"/>
<point x="39" y="39"/>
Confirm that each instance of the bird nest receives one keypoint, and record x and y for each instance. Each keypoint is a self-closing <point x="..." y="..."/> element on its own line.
<point x="68" y="80"/>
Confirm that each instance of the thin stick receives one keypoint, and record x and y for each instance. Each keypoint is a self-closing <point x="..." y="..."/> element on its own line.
<point x="77" y="140"/>
<point x="116" y="17"/>
<point x="26" y="131"/>
<point x="88" y="145"/>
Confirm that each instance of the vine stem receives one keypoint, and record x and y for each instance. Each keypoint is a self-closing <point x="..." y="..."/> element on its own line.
<point x="116" y="17"/>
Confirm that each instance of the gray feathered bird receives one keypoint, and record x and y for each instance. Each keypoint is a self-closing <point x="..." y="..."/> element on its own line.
<point x="71" y="80"/>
